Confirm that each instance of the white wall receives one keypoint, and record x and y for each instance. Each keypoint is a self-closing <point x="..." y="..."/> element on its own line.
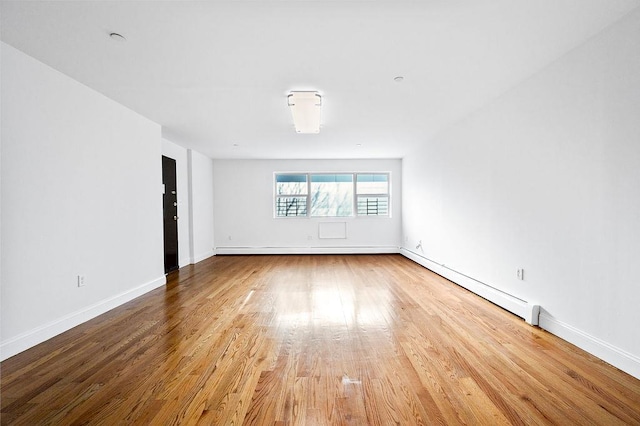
<point x="1" y="111"/>
<point x="81" y="195"/>
<point x="201" y="204"/>
<point x="243" y="208"/>
<point x="546" y="178"/>
<point x="178" y="153"/>
<point x="195" y="202"/>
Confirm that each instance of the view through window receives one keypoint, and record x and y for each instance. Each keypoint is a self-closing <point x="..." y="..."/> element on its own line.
<point x="331" y="194"/>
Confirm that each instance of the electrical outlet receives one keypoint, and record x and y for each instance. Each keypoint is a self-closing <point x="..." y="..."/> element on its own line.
<point x="309" y="237"/>
<point x="520" y="274"/>
<point x="229" y="237"/>
<point x="80" y="280"/>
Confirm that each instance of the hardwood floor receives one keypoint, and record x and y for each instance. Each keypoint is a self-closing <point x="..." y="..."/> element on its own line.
<point x="356" y="339"/>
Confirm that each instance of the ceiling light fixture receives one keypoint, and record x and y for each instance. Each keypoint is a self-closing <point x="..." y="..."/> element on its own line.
<point x="305" y="108"/>
<point x="398" y="79"/>
<point x="117" y="37"/>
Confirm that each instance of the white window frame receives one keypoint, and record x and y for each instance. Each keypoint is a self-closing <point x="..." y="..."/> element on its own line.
<point x="379" y="195"/>
<point x="282" y="196"/>
<point x="354" y="200"/>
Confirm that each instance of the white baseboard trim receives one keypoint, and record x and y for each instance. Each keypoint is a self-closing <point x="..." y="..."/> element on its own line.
<point x="525" y="310"/>
<point x="202" y="256"/>
<point x="31" y="338"/>
<point x="308" y="250"/>
<point x="535" y="315"/>
<point x="617" y="357"/>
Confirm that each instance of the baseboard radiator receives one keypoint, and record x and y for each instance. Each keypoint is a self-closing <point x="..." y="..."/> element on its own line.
<point x="528" y="311"/>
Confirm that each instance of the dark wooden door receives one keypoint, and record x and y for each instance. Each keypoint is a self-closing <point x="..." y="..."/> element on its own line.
<point x="170" y="209"/>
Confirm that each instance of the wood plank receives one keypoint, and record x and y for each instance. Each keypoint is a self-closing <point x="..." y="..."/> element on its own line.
<point x="302" y="340"/>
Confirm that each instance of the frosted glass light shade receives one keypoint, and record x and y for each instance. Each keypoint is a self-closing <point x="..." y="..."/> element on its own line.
<point x="306" y="108"/>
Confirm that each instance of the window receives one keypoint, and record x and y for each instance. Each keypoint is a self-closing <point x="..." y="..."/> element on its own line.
<point x="291" y="195"/>
<point x="373" y="194"/>
<point x="331" y="194"/>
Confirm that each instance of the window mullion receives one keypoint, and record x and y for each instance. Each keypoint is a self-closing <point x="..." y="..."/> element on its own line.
<point x="354" y="201"/>
<point x="308" y="194"/>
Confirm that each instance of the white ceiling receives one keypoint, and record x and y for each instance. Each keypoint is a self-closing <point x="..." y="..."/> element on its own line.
<point x="216" y="73"/>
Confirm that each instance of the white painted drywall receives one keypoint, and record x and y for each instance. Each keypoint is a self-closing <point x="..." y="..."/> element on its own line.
<point x="546" y="178"/>
<point x="178" y="153"/>
<point x="81" y="195"/>
<point x="244" y="204"/>
<point x="201" y="204"/>
<point x="1" y="358"/>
